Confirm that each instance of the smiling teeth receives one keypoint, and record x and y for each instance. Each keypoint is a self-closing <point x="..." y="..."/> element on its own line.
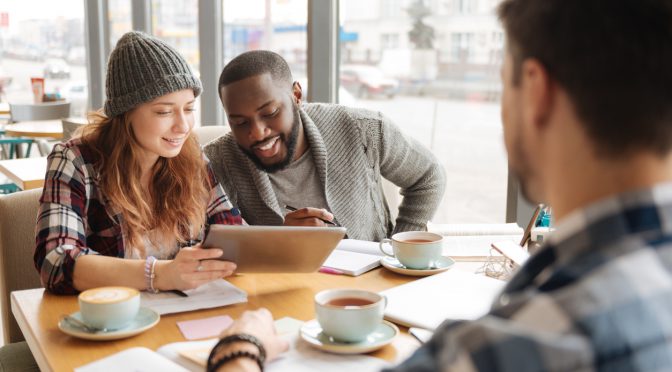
<point x="177" y="140"/>
<point x="268" y="144"/>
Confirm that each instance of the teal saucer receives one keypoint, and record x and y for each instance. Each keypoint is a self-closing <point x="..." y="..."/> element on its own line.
<point x="441" y="265"/>
<point x="146" y="319"/>
<point x="311" y="332"/>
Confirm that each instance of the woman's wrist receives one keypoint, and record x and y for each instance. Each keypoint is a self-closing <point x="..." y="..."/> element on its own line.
<point x="161" y="278"/>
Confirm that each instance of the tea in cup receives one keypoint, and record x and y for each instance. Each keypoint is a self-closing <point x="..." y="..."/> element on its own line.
<point x="415" y="249"/>
<point x="349" y="315"/>
<point x="109" y="308"/>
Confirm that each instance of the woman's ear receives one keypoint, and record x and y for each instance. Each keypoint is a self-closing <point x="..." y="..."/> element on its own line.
<point x="297" y="92"/>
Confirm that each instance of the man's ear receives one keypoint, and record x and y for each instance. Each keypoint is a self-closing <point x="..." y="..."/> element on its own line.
<point x="538" y="92"/>
<point x="297" y="92"/>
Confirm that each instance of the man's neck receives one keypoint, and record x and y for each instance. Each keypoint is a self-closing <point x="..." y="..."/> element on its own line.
<point x="301" y="143"/>
<point x="574" y="187"/>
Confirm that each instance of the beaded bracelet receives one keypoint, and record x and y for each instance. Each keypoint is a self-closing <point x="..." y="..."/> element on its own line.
<point x="150" y="274"/>
<point x="240" y="337"/>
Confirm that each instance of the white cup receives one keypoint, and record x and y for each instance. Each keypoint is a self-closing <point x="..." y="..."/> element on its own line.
<point x="415" y="249"/>
<point x="349" y="315"/>
<point x="109" y="307"/>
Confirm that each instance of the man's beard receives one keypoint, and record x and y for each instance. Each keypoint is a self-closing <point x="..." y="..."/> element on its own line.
<point x="290" y="142"/>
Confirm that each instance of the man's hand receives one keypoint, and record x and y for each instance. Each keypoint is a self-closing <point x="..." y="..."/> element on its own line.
<point x="308" y="217"/>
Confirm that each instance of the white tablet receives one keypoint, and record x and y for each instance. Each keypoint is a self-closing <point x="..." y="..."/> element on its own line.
<point x="274" y="249"/>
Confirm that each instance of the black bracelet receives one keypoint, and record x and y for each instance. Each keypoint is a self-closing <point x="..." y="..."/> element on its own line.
<point x="241" y="337"/>
<point x="235" y="355"/>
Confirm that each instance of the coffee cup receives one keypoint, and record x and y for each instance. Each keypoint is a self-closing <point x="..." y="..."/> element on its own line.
<point x="109" y="308"/>
<point x="415" y="249"/>
<point x="349" y="315"/>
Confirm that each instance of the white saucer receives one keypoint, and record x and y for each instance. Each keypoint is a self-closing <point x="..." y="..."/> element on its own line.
<point x="443" y="264"/>
<point x="146" y="319"/>
<point x="311" y="332"/>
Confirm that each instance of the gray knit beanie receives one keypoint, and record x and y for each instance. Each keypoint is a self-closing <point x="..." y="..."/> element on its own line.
<point x="142" y="68"/>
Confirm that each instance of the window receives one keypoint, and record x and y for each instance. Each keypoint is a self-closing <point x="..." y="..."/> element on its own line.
<point x="277" y="25"/>
<point x="43" y="39"/>
<point x="119" y="15"/>
<point x="389" y="41"/>
<point x="442" y="88"/>
<point x="176" y="23"/>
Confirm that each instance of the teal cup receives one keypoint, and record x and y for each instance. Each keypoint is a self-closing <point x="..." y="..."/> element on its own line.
<point x="417" y="250"/>
<point x="349" y="315"/>
<point x="109" y="308"/>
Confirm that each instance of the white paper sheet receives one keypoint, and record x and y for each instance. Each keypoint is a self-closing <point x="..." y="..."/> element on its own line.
<point x="137" y="359"/>
<point x="427" y="302"/>
<point x="214" y="294"/>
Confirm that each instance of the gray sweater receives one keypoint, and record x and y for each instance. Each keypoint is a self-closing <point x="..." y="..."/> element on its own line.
<point x="352" y="149"/>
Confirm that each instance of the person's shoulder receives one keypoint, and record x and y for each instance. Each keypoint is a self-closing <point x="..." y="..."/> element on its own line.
<point x="219" y="146"/>
<point x="332" y="109"/>
<point x="76" y="150"/>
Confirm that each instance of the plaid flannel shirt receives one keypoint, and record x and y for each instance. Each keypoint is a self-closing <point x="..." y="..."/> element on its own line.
<point x="74" y="218"/>
<point x="598" y="296"/>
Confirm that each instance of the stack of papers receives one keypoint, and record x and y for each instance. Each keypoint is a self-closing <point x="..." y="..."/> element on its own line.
<point x="214" y="294"/>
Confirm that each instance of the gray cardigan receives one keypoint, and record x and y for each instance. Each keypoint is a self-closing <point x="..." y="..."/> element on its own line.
<point x="352" y="149"/>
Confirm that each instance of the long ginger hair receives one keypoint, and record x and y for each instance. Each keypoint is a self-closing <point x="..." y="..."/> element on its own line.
<point x="179" y="187"/>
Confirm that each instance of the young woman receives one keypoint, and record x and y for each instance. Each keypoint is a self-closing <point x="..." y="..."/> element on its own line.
<point x="124" y="202"/>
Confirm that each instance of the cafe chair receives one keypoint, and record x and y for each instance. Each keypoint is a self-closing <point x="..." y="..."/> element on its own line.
<point x="17" y="357"/>
<point x="39" y="111"/>
<point x="207" y="133"/>
<point x="17" y="244"/>
<point x="69" y="128"/>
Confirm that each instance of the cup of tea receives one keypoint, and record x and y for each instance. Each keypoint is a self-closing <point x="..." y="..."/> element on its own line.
<point x="349" y="315"/>
<point x="109" y="307"/>
<point x="415" y="249"/>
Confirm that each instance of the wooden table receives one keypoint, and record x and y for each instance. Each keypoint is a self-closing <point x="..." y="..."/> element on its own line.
<point x="26" y="173"/>
<point x="36" y="129"/>
<point x="37" y="314"/>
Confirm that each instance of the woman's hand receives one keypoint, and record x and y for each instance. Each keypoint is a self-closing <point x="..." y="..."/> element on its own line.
<point x="258" y="323"/>
<point x="192" y="267"/>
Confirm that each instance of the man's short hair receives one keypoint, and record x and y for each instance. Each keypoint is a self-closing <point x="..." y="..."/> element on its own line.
<point x="253" y="63"/>
<point x="613" y="57"/>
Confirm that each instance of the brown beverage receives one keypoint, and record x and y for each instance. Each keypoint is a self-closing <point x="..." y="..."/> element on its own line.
<point x="417" y="241"/>
<point x="349" y="301"/>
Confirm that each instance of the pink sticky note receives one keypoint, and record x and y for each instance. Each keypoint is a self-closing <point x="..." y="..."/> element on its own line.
<point x="204" y="328"/>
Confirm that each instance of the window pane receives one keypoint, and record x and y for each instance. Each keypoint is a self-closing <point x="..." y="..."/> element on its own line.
<point x="176" y="22"/>
<point x="433" y="68"/>
<point x="277" y="25"/>
<point x="119" y="13"/>
<point x="43" y="39"/>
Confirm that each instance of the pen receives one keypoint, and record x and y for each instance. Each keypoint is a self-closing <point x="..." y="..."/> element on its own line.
<point x="178" y="292"/>
<point x="329" y="270"/>
<point x="293" y="209"/>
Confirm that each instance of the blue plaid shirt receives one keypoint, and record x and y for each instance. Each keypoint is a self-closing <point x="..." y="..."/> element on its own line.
<point x="598" y="296"/>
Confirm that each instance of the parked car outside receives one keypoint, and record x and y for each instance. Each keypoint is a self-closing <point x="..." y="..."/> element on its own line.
<point x="367" y="82"/>
<point x="56" y="68"/>
<point x="77" y="93"/>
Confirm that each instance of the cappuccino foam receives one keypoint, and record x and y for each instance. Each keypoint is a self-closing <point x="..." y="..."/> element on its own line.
<point x="108" y="295"/>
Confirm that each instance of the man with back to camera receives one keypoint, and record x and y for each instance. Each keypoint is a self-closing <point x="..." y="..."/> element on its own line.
<point x="325" y="160"/>
<point x="587" y="113"/>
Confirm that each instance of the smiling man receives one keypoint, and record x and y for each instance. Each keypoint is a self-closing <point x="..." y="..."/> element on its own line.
<point x="324" y="160"/>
